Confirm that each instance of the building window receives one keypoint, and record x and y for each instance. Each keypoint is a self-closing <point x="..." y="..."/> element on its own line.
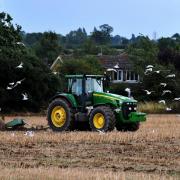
<point x="132" y="76"/>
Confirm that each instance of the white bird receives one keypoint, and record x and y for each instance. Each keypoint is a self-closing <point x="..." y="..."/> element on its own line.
<point x="100" y="132"/>
<point x="20" y="43"/>
<point x="163" y="84"/>
<point x="170" y="76"/>
<point x="162" y="101"/>
<point x="166" y="91"/>
<point x="177" y="99"/>
<point x="148" y="92"/>
<point x="9" y="88"/>
<point x="111" y="69"/>
<point x="12" y="83"/>
<point x="149" y="66"/>
<point x="168" y="109"/>
<point x="128" y="90"/>
<point x="20" y="66"/>
<point x="116" y="66"/>
<point x="29" y="133"/>
<point x="25" y="96"/>
<point x="148" y="71"/>
<point x="20" y="81"/>
<point x="157" y="71"/>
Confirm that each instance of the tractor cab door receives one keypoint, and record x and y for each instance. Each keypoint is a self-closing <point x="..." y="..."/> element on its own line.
<point x="78" y="89"/>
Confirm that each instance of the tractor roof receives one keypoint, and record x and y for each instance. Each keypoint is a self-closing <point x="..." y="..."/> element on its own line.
<point x="81" y="76"/>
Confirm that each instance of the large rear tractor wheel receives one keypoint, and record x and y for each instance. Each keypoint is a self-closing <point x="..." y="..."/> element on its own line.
<point x="60" y="115"/>
<point x="128" y="127"/>
<point x="102" y="118"/>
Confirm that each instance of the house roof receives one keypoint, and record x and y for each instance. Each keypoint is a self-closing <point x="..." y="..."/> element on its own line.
<point x="116" y="62"/>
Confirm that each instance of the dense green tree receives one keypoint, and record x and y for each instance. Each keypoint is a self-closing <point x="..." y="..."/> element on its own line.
<point x="76" y="38"/>
<point x="102" y="36"/>
<point x="48" y="47"/>
<point x="37" y="80"/>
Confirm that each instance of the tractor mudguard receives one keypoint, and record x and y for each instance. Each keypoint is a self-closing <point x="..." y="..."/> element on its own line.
<point x="69" y="97"/>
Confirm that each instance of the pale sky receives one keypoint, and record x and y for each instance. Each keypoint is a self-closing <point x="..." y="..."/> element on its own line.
<point x="125" y="16"/>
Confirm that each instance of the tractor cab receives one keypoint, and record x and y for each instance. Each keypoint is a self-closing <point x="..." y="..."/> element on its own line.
<point x="83" y="86"/>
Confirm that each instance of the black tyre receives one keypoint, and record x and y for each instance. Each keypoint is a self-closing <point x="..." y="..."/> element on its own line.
<point x="60" y="116"/>
<point x="128" y="127"/>
<point x="102" y="118"/>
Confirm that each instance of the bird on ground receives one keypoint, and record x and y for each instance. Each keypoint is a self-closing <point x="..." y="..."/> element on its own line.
<point x="25" y="96"/>
<point x="29" y="133"/>
<point x="149" y="66"/>
<point x="148" y="92"/>
<point x="162" y="101"/>
<point x="20" y="66"/>
<point x="177" y="99"/>
<point x="163" y="84"/>
<point x="171" y="76"/>
<point x="101" y="132"/>
<point x="166" y="91"/>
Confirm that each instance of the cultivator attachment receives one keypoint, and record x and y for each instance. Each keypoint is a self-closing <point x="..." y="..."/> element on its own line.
<point x="14" y="124"/>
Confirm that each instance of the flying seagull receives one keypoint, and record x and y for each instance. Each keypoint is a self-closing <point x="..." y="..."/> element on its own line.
<point x="170" y="76"/>
<point x="166" y="91"/>
<point x="148" y="92"/>
<point x="20" y="66"/>
<point x="158" y="71"/>
<point x="177" y="99"/>
<point x="111" y="69"/>
<point x="162" y="101"/>
<point x="20" y="81"/>
<point x="128" y="90"/>
<point x="25" y="96"/>
<point x="163" y="84"/>
<point x="148" y="71"/>
<point x="149" y="66"/>
<point x="12" y="83"/>
<point x="20" y="43"/>
<point x="116" y="66"/>
<point x="9" y="88"/>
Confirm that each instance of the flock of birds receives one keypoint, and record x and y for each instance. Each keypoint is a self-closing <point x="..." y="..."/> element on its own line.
<point x="13" y="85"/>
<point x="148" y="71"/>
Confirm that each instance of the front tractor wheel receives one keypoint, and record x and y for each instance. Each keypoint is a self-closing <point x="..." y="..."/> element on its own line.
<point x="102" y="118"/>
<point x="60" y="116"/>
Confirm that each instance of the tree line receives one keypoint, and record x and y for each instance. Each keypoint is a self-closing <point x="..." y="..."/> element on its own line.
<point x="37" y="51"/>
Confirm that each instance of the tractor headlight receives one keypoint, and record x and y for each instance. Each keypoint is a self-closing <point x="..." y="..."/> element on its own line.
<point x="130" y="108"/>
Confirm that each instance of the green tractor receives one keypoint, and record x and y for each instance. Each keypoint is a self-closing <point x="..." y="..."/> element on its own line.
<point x="85" y="104"/>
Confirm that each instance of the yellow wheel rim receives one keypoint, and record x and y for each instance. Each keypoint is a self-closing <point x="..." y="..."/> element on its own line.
<point x="58" y="116"/>
<point x="99" y="121"/>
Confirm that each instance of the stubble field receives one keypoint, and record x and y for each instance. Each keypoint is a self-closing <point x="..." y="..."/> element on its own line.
<point x="153" y="152"/>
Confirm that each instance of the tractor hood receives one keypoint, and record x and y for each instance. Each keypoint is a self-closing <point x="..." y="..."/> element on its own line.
<point x="114" y="97"/>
